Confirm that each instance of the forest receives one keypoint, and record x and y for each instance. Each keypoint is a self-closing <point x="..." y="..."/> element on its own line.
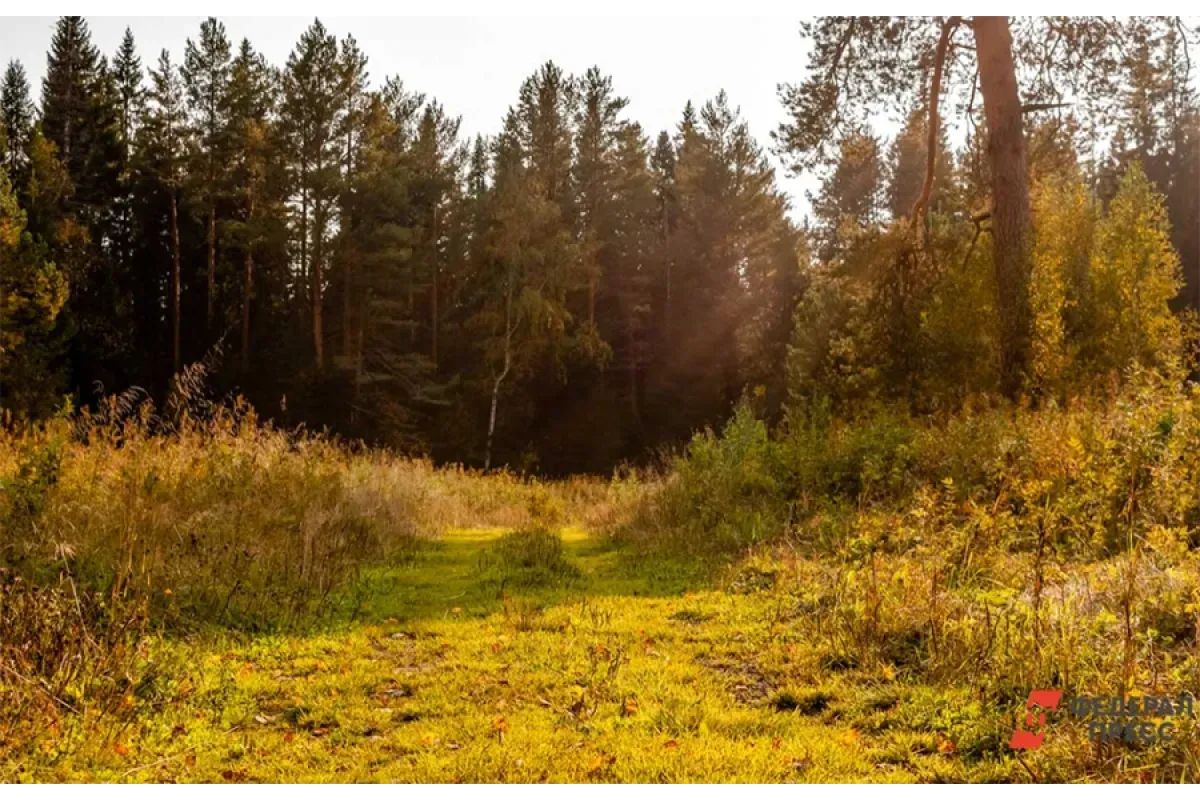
<point x="336" y="445"/>
<point x="333" y="249"/>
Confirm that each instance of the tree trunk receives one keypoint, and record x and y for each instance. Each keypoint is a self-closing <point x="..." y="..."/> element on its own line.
<point x="315" y="290"/>
<point x="360" y="355"/>
<point x="592" y="296"/>
<point x="303" y="231"/>
<point x="247" y="292"/>
<point x="1011" y="220"/>
<point x="921" y="207"/>
<point x="347" y="328"/>
<point x="508" y="334"/>
<point x="347" y="224"/>
<point x="175" y="281"/>
<point x="212" y="267"/>
<point x="433" y="296"/>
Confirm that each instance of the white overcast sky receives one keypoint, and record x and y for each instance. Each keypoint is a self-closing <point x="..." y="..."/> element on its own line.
<point x="474" y="66"/>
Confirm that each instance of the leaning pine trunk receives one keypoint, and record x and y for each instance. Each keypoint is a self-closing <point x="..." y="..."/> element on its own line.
<point x="1011" y="220"/>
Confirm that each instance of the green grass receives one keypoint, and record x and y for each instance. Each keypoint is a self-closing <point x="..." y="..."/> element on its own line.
<point x="629" y="671"/>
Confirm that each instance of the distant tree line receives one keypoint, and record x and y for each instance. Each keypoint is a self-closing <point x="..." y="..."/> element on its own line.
<point x="565" y="295"/>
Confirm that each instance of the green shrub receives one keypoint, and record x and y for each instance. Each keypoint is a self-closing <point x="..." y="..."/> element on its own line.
<point x="529" y="558"/>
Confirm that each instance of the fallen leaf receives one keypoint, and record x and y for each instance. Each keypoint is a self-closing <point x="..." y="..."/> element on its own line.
<point x="121" y="749"/>
<point x="671" y="744"/>
<point x="630" y="708"/>
<point x="500" y="724"/>
<point x="600" y="763"/>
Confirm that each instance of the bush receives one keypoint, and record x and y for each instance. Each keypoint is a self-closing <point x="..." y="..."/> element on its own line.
<point x="529" y="558"/>
<point x="722" y="494"/>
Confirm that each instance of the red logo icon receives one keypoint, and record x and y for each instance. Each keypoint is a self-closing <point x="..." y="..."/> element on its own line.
<point x="1024" y="737"/>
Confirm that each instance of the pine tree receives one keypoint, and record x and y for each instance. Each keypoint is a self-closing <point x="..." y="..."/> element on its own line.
<point x="352" y="66"/>
<point x="437" y="160"/>
<point x="163" y="148"/>
<point x="205" y="73"/>
<point x="662" y="168"/>
<point x="908" y="158"/>
<point x="251" y="147"/>
<point x="311" y="110"/>
<point x="598" y="126"/>
<point x="851" y="195"/>
<point x="726" y="247"/>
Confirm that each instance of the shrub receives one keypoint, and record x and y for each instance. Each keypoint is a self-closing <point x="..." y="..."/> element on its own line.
<point x="529" y="558"/>
<point x="723" y="494"/>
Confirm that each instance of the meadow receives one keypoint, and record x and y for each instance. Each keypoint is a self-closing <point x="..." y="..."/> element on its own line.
<point x="206" y="598"/>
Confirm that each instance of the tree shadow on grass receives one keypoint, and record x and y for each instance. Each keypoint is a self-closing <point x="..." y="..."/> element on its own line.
<point x="451" y="576"/>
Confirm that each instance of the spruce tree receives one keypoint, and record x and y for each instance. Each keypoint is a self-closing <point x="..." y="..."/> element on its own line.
<point x="72" y="67"/>
<point x="16" y="118"/>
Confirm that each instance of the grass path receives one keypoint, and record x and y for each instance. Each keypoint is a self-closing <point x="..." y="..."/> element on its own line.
<point x="629" y="672"/>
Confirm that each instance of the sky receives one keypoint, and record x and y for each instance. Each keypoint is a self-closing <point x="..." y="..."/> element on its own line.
<point x="474" y="66"/>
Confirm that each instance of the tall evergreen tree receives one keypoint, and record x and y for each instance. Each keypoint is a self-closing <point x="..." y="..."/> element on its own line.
<point x="206" y="80"/>
<point x="16" y="118"/>
<point x="252" y="151"/>
<point x="72" y="68"/>
<point x="312" y="108"/>
<point x="163" y="152"/>
<point x="352" y="68"/>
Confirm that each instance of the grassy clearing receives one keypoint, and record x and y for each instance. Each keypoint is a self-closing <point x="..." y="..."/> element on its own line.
<point x="834" y="602"/>
<point x="625" y="673"/>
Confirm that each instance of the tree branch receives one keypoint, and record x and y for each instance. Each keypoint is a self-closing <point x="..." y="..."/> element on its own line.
<point x="921" y="207"/>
